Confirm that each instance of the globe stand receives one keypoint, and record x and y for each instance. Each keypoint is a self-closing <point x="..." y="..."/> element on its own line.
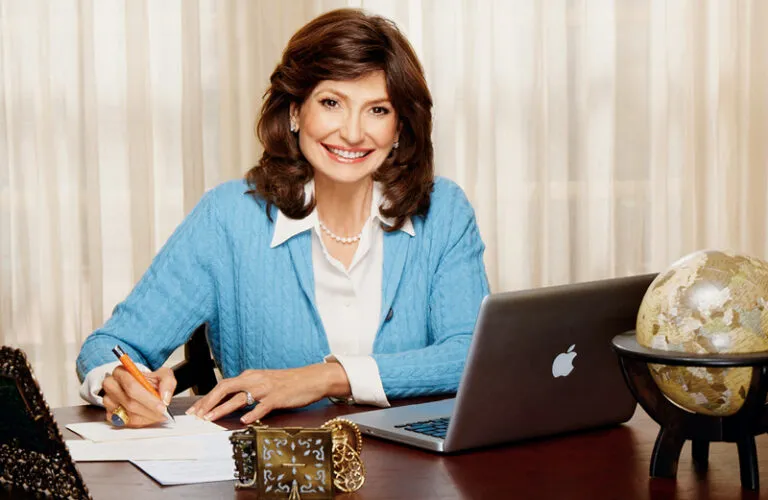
<point x="678" y="425"/>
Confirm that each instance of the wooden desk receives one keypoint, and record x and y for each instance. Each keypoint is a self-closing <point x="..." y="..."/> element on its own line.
<point x="603" y="464"/>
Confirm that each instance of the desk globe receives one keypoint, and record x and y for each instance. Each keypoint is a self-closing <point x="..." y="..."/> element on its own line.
<point x="707" y="302"/>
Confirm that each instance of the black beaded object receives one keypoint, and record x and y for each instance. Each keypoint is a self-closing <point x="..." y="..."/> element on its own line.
<point x="679" y="425"/>
<point x="33" y="456"/>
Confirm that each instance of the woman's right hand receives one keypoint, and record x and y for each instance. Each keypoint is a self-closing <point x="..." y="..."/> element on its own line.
<point x="143" y="408"/>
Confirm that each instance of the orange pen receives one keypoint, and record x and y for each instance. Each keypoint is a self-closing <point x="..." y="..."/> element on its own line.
<point x="136" y="373"/>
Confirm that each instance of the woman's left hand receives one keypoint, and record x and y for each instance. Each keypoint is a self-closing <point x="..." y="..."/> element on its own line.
<point x="273" y="389"/>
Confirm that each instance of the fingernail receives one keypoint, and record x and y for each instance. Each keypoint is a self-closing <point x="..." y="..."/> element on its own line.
<point x="167" y="398"/>
<point x="208" y="416"/>
<point x="242" y="419"/>
<point x="190" y="410"/>
<point x="160" y="408"/>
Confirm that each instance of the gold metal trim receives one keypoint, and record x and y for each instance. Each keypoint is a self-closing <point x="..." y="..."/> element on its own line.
<point x="299" y="463"/>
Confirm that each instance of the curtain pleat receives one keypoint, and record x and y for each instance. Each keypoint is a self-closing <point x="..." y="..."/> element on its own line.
<point x="140" y="134"/>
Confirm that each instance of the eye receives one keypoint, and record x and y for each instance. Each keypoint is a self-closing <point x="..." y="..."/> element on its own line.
<point x="329" y="103"/>
<point x="380" y="110"/>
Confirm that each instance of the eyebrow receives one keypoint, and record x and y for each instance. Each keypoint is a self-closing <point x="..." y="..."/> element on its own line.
<point x="345" y="96"/>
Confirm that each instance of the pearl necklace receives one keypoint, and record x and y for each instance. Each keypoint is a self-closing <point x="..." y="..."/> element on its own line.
<point x="340" y="239"/>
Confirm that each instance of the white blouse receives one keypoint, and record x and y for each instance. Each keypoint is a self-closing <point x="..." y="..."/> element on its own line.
<point x="349" y="300"/>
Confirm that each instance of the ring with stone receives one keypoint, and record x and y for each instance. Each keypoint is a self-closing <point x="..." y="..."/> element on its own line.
<point x="119" y="417"/>
<point x="249" y="398"/>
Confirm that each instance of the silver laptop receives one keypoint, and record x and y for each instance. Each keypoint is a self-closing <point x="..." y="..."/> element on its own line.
<point x="540" y="363"/>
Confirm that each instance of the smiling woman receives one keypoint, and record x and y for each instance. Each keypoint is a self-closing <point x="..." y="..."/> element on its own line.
<point x="351" y="82"/>
<point x="340" y="267"/>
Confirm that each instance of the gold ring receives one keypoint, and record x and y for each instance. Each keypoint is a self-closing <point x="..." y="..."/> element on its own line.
<point x="119" y="417"/>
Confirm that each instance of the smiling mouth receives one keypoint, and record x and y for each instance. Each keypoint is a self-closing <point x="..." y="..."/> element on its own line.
<point x="347" y="156"/>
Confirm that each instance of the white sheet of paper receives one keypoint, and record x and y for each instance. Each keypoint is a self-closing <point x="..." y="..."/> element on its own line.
<point x="172" y="472"/>
<point x="198" y="447"/>
<point x="185" y="425"/>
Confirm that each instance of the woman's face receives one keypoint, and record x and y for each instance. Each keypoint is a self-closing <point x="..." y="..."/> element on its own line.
<point x="347" y="128"/>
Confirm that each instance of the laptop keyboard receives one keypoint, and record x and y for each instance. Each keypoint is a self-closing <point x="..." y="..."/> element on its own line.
<point x="436" y="427"/>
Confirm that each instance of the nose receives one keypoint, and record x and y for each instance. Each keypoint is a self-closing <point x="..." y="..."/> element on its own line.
<point x="352" y="129"/>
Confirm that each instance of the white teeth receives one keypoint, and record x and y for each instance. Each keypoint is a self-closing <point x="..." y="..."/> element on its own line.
<point x="347" y="154"/>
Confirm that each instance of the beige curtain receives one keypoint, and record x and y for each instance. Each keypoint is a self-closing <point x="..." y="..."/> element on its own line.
<point x="602" y="138"/>
<point x="595" y="138"/>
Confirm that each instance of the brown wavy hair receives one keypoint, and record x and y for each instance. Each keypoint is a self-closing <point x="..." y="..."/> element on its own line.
<point x="346" y="44"/>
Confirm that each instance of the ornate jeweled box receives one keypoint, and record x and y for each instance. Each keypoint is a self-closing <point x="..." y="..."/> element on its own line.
<point x="299" y="463"/>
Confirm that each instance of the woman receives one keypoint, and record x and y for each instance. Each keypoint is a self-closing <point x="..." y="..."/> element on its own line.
<point x="340" y="267"/>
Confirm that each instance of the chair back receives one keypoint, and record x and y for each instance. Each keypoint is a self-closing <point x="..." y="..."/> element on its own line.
<point x="196" y="372"/>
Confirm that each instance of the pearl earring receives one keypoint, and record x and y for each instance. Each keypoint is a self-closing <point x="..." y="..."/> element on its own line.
<point x="396" y="145"/>
<point x="294" y="127"/>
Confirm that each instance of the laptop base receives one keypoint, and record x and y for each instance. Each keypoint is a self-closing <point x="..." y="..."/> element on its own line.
<point x="388" y="423"/>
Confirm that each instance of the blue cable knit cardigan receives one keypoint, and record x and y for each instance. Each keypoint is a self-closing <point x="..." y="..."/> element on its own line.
<point x="218" y="267"/>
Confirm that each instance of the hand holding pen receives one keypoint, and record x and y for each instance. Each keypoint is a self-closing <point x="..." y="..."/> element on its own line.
<point x="133" y="398"/>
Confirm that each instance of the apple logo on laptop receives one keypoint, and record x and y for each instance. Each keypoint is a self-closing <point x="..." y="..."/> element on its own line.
<point x="563" y="364"/>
